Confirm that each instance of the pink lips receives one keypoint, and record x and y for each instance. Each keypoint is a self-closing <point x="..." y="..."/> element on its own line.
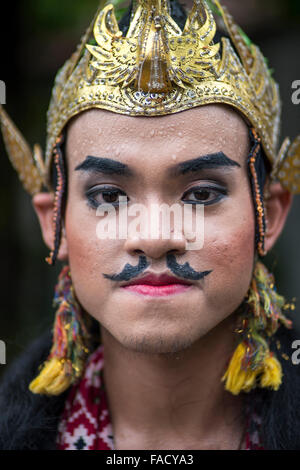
<point x="157" y="286"/>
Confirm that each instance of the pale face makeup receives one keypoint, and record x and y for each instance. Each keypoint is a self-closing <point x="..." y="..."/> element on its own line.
<point x="150" y="149"/>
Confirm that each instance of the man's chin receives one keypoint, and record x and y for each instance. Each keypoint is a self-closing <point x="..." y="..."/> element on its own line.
<point x="153" y="340"/>
<point x="149" y="344"/>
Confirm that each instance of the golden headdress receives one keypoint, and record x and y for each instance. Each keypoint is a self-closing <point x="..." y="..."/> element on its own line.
<point x="157" y="69"/>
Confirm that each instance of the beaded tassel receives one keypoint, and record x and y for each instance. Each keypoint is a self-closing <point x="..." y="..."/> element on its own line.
<point x="253" y="364"/>
<point x="70" y="345"/>
<point x="258" y="199"/>
<point x="58" y="200"/>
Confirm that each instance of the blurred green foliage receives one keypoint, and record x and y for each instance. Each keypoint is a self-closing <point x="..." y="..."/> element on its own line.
<point x="53" y="15"/>
<point x="288" y="8"/>
<point x="293" y="7"/>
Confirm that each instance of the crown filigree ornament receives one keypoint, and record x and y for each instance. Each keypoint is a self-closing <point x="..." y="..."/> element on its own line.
<point x="29" y="165"/>
<point x="155" y="54"/>
<point x="158" y="69"/>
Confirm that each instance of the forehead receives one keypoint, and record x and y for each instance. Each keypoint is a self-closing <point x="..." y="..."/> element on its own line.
<point x="147" y="142"/>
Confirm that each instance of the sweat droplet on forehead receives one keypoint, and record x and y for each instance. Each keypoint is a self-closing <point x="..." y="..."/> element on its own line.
<point x="150" y="143"/>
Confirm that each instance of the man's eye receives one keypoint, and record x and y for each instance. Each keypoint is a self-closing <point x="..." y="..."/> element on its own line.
<point x="96" y="197"/>
<point x="204" y="195"/>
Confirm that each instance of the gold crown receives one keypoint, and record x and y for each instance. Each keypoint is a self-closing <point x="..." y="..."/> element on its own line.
<point x="159" y="69"/>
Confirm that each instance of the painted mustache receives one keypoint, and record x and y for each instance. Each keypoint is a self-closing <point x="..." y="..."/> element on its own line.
<point x="184" y="270"/>
<point x="180" y="270"/>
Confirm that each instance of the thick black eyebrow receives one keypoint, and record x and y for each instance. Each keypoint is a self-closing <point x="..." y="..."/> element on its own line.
<point x="105" y="165"/>
<point x="213" y="160"/>
<point x="109" y="166"/>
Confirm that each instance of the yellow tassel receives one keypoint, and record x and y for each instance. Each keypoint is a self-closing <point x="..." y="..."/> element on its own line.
<point x="238" y="379"/>
<point x="262" y="319"/>
<point x="53" y="379"/>
<point x="272" y="373"/>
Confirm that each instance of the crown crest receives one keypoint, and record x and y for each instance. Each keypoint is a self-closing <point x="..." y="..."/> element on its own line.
<point x="155" y="54"/>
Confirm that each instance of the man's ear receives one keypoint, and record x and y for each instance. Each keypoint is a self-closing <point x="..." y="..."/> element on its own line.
<point x="43" y="204"/>
<point x="277" y="202"/>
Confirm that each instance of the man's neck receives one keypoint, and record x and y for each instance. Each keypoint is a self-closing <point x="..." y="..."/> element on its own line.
<point x="171" y="401"/>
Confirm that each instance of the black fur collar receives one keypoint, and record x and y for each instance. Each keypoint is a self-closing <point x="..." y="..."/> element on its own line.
<point x="28" y="421"/>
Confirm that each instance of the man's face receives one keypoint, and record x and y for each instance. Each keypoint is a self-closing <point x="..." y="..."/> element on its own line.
<point x="153" y="150"/>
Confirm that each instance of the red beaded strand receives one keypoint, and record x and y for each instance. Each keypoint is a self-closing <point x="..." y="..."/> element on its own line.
<point x="58" y="200"/>
<point x="258" y="196"/>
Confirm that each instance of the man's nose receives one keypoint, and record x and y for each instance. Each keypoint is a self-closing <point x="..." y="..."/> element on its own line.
<point x="155" y="248"/>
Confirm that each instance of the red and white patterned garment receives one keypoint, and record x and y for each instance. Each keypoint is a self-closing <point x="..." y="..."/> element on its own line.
<point x="85" y="422"/>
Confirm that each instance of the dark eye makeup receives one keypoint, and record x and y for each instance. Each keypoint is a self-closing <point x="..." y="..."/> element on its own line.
<point x="97" y="196"/>
<point x="206" y="194"/>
